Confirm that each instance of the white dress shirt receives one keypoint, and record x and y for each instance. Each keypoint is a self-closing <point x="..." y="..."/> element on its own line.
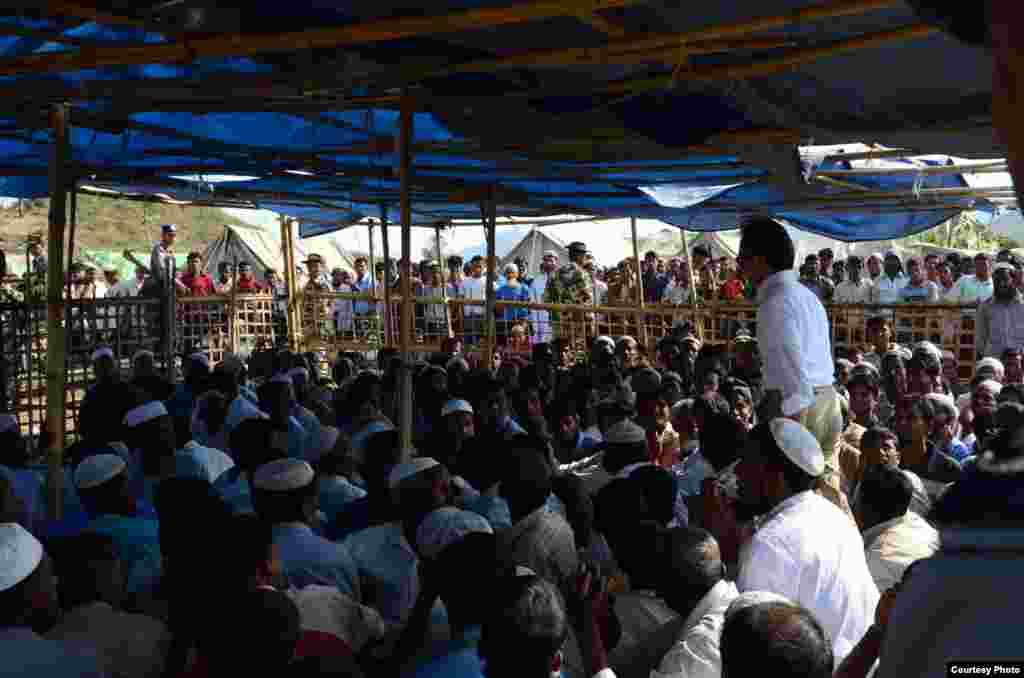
<point x="308" y="559"/>
<point x="848" y="292"/>
<point x="795" y="342"/>
<point x="891" y="547"/>
<point x="810" y="552"/>
<point x="970" y="290"/>
<point x="696" y="653"/>
<point x="886" y="290"/>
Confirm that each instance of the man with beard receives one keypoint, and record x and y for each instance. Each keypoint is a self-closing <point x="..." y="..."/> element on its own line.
<point x="804" y="547"/>
<point x="571" y="284"/>
<point x="1001" y="318"/>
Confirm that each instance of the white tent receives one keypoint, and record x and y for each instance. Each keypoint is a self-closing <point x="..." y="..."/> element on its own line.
<point x="261" y="247"/>
<point x="532" y="248"/>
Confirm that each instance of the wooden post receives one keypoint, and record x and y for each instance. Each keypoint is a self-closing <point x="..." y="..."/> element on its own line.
<point x="639" y="287"/>
<point x="233" y="313"/>
<point x="444" y="284"/>
<point x="489" y="211"/>
<point x="689" y="267"/>
<point x="405" y="139"/>
<point x="56" y="374"/>
<point x="389" y="339"/>
<point x="290" y="282"/>
<point x="169" y="303"/>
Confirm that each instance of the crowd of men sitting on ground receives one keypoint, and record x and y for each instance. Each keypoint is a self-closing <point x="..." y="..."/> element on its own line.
<point x="607" y="513"/>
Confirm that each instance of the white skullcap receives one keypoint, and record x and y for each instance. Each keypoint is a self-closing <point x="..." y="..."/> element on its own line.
<point x="991" y="385"/>
<point x="942" y="398"/>
<point x="551" y="253"/>
<point x="523" y="571"/>
<point x="446" y="526"/>
<point x="200" y="358"/>
<point x="511" y="268"/>
<point x="282" y="475"/>
<point x="453" y="406"/>
<point x="144" y="413"/>
<point x="143" y="352"/>
<point x="410" y="468"/>
<point x="9" y="422"/>
<point x="993" y="363"/>
<point x="95" y="470"/>
<point x="625" y="432"/>
<point x="20" y="555"/>
<point x="102" y="352"/>
<point x="605" y="339"/>
<point x="931" y="348"/>
<point x="799" y="445"/>
<point x="1003" y="266"/>
<point x="752" y="598"/>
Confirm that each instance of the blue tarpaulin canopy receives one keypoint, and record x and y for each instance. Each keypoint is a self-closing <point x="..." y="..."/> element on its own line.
<point x="692" y="115"/>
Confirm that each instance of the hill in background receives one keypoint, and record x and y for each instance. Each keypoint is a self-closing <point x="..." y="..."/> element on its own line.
<point x="108" y="224"/>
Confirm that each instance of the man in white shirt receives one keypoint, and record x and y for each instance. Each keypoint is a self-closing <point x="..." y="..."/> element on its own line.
<point x="130" y="287"/>
<point x="541" y="319"/>
<point x="694" y="584"/>
<point x="804" y="548"/>
<point x="894" y="536"/>
<point x="886" y="289"/>
<point x="793" y="336"/>
<point x="855" y="289"/>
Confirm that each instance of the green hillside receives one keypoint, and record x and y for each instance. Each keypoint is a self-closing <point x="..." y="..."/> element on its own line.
<point x="107" y="224"/>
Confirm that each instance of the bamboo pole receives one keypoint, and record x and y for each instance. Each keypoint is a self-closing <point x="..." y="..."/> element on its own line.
<point x="444" y="284"/>
<point x="290" y="281"/>
<point x="405" y="138"/>
<point x="389" y="335"/>
<point x="487" y="210"/>
<point x="233" y="305"/>
<point x="223" y="46"/>
<point x="783" y="64"/>
<point x="986" y="168"/>
<point x="689" y="267"/>
<point x="641" y="325"/>
<point x="56" y="349"/>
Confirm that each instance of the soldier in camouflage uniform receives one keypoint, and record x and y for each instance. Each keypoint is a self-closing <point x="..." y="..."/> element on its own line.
<point x="572" y="284"/>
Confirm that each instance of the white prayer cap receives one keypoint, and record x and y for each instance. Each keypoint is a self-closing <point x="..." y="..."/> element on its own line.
<point x="143" y="352"/>
<point x="991" y="385"/>
<point x="1003" y="266"/>
<point x="943" y="400"/>
<point x="20" y="555"/>
<point x="930" y="348"/>
<point x="200" y="358"/>
<point x="453" y="406"/>
<point x="9" y="422"/>
<point x="523" y="571"/>
<point x="990" y="363"/>
<point x="625" y="433"/>
<point x="752" y="598"/>
<point x="551" y="253"/>
<point x="95" y="470"/>
<point x="799" y="445"/>
<point x="144" y="413"/>
<point x="410" y="468"/>
<point x="605" y="339"/>
<point x="282" y="475"/>
<point x="511" y="268"/>
<point x="446" y="526"/>
<point x="102" y="352"/>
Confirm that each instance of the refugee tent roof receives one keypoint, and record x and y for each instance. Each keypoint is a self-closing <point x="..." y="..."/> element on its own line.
<point x="532" y="248"/>
<point x="543" y="106"/>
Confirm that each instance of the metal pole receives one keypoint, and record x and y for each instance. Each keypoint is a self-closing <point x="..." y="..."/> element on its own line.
<point x="405" y="327"/>
<point x="488" y="210"/>
<point x="388" y="320"/>
<point x="639" y="286"/>
<point x="56" y="373"/>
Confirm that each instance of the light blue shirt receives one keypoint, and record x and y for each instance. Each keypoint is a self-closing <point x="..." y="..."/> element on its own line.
<point x="309" y="560"/>
<point x="366" y="285"/>
<point x="311" y="425"/>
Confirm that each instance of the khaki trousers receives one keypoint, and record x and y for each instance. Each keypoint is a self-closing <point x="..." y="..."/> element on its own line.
<point x="824" y="419"/>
